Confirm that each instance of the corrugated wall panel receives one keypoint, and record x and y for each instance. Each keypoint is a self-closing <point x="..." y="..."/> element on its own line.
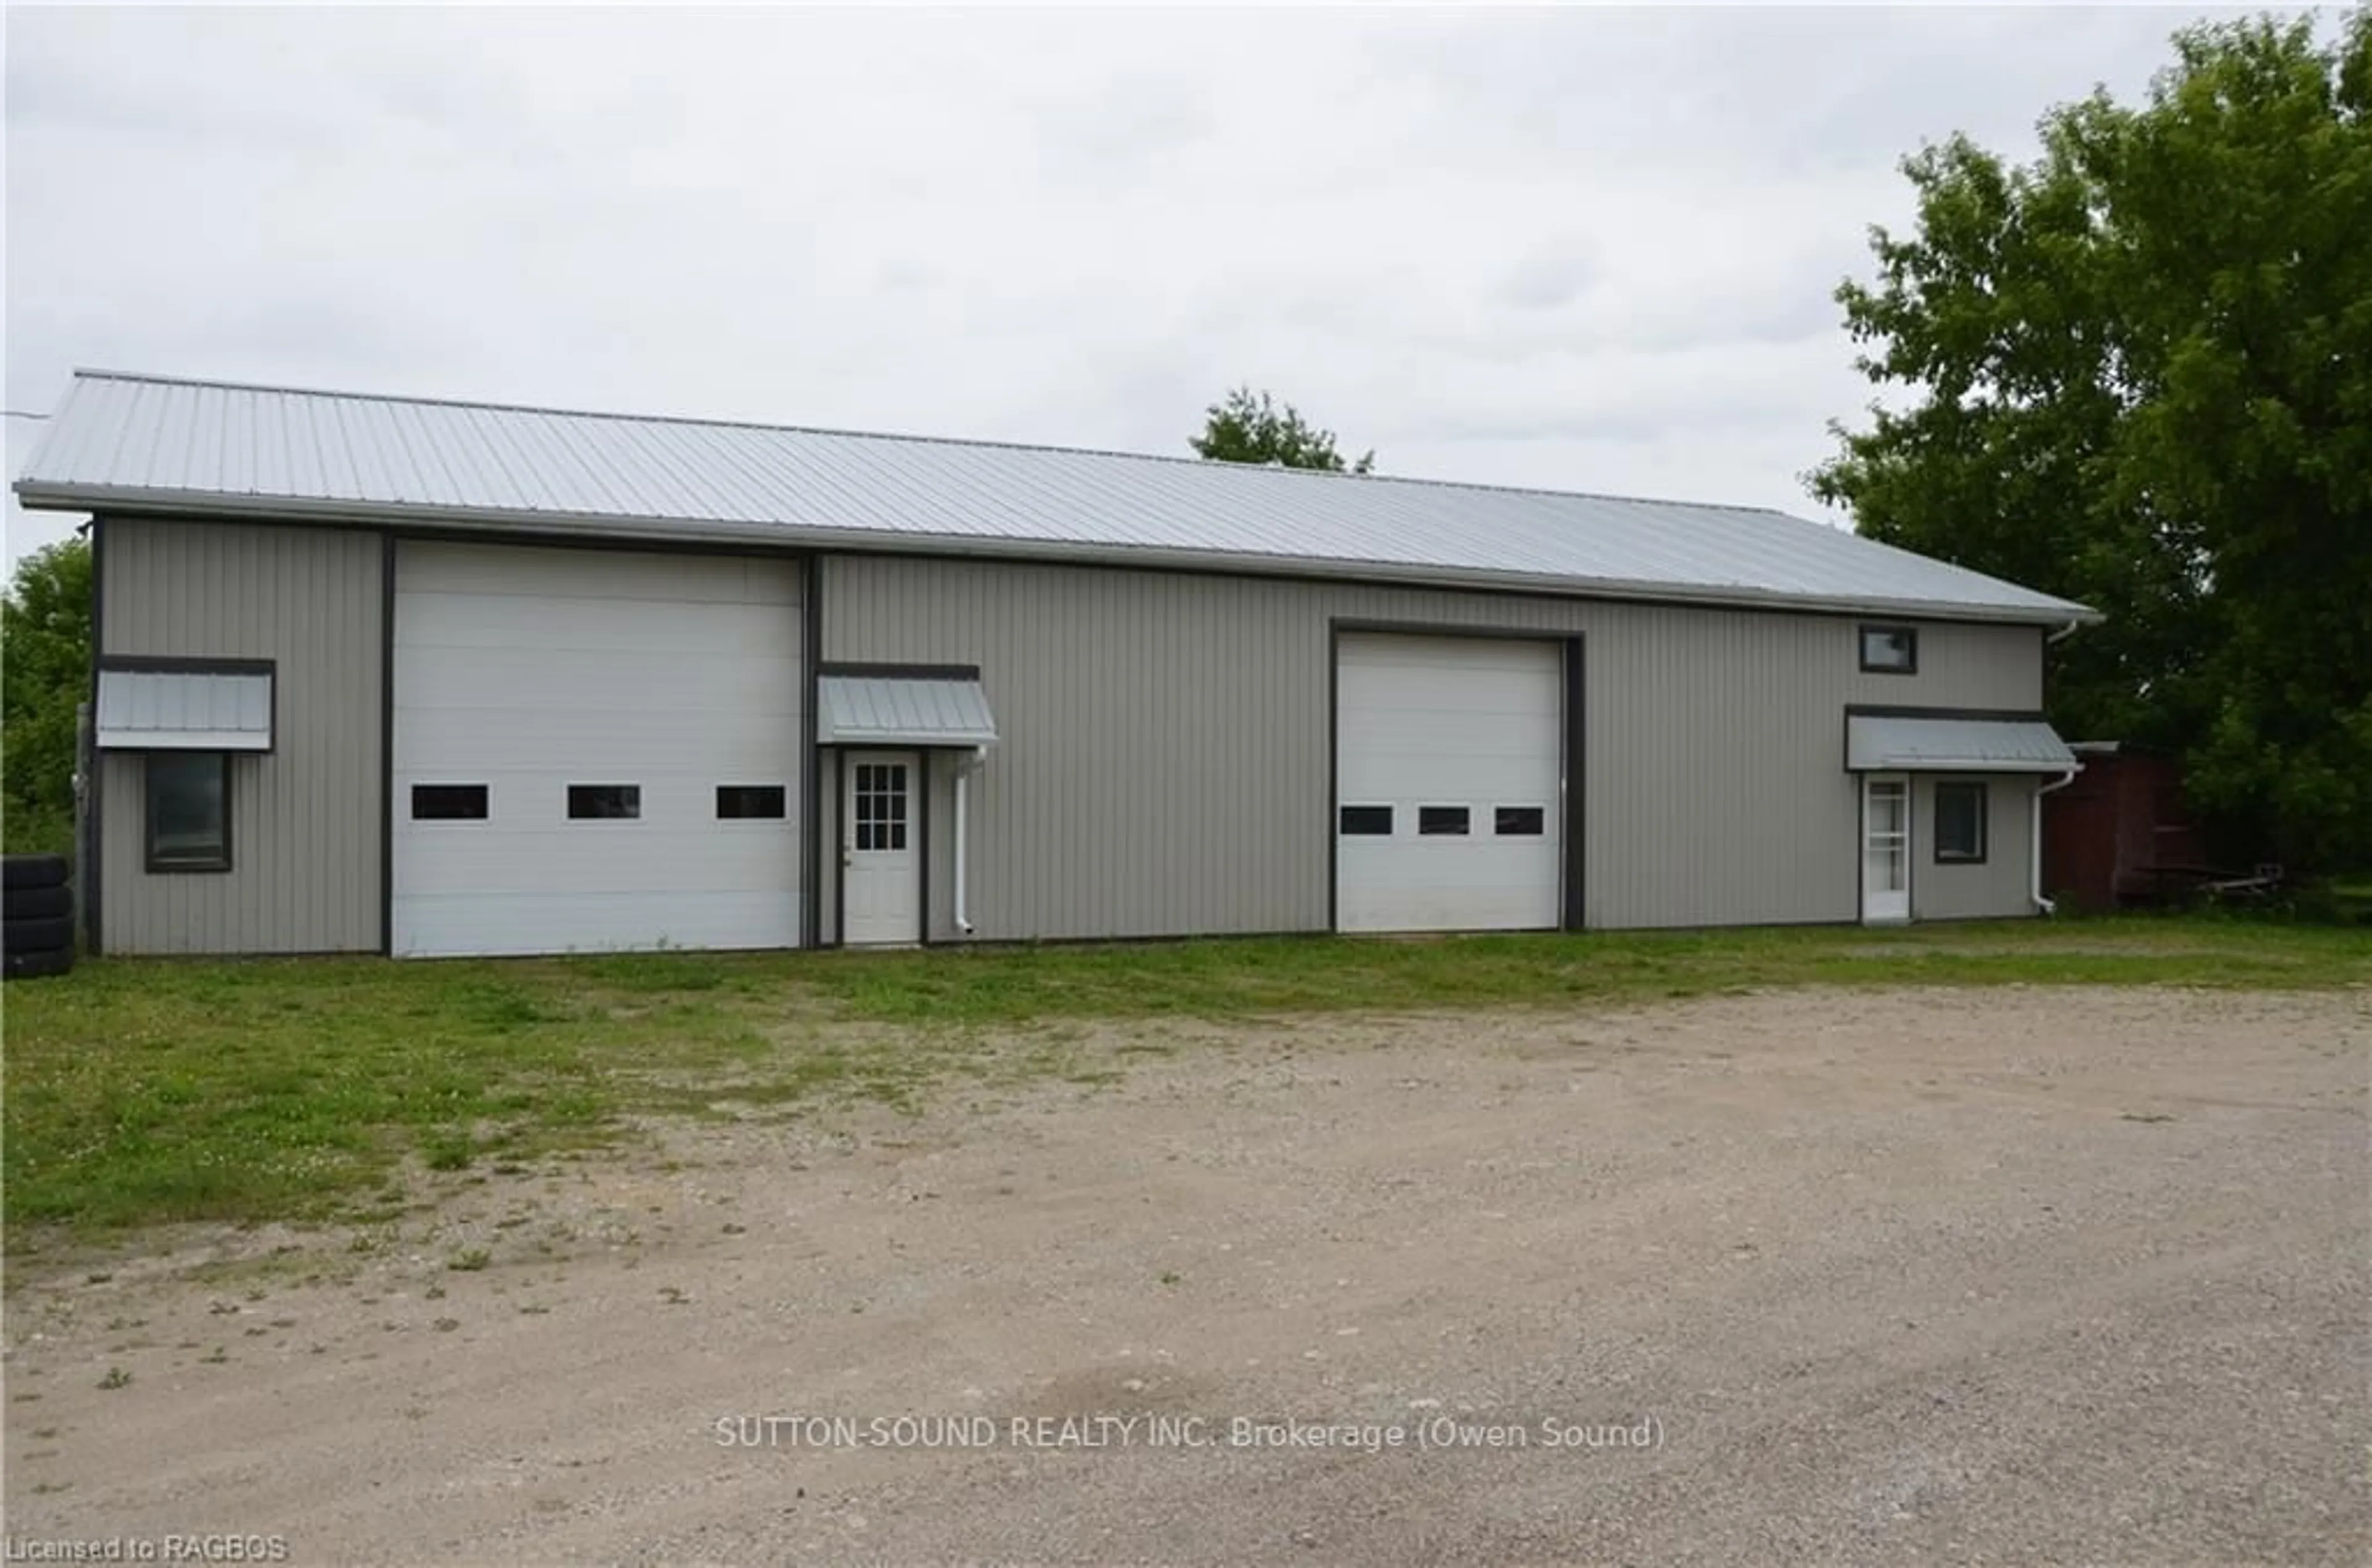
<point x="1999" y="885"/>
<point x="1164" y="764"/>
<point x="305" y="820"/>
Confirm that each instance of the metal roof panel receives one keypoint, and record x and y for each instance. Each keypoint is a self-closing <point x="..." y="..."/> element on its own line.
<point x="902" y="710"/>
<point x="175" y="709"/>
<point x="220" y="448"/>
<point x="1888" y="744"/>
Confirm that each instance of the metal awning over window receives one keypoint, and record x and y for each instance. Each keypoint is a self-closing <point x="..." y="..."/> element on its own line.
<point x="1887" y="744"/>
<point x="185" y="709"/>
<point x="904" y="710"/>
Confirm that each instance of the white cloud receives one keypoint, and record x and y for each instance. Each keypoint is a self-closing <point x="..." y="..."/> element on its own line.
<point x="1589" y="249"/>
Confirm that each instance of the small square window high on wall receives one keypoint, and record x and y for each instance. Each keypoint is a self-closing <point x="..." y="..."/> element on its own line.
<point x="1890" y="650"/>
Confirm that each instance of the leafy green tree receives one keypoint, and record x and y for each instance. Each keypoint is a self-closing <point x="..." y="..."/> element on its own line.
<point x="1249" y="427"/>
<point x="2137" y="372"/>
<point x="44" y="675"/>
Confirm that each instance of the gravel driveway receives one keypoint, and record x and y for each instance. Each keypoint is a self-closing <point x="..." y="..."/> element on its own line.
<point x="1873" y="1278"/>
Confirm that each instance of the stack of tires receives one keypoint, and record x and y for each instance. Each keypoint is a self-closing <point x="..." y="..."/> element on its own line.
<point x="40" y="908"/>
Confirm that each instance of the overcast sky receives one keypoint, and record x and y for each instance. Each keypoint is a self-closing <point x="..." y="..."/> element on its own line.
<point x="1587" y="249"/>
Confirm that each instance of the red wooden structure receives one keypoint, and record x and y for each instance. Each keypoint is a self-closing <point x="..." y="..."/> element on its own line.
<point x="2118" y="834"/>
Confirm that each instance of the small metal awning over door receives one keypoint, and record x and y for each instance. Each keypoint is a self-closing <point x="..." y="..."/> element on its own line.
<point x="1876" y="744"/>
<point x="903" y="710"/>
<point x="227" y="709"/>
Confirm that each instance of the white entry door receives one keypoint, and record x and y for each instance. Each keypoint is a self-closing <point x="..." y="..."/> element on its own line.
<point x="1884" y="848"/>
<point x="880" y="855"/>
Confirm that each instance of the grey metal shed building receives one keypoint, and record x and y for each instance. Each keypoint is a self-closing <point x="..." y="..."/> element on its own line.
<point x="416" y="677"/>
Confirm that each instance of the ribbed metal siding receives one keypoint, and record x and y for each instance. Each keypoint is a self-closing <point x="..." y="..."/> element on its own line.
<point x="305" y="820"/>
<point x="1164" y="766"/>
<point x="2000" y="884"/>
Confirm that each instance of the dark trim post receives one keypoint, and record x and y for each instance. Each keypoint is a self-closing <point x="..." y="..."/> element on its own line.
<point x="1576" y="790"/>
<point x="95" y="787"/>
<point x="1333" y="802"/>
<point x="386" y="742"/>
<point x="1861" y="848"/>
<point x="811" y="758"/>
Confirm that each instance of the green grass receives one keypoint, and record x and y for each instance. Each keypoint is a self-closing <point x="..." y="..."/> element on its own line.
<point x="139" y="1091"/>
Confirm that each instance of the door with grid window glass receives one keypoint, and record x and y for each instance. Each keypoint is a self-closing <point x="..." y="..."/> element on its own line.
<point x="882" y="850"/>
<point x="1884" y="848"/>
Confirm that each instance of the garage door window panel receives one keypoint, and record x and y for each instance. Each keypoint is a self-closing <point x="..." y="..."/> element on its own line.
<point x="1443" y="821"/>
<point x="751" y="802"/>
<point x="605" y="803"/>
<point x="1519" y="822"/>
<point x="448" y="803"/>
<point x="189" y="810"/>
<point x="1367" y="821"/>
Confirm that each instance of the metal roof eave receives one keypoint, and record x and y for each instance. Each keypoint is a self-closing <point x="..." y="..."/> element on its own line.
<point x="1938" y="765"/>
<point x="36" y="496"/>
<point x="1941" y="742"/>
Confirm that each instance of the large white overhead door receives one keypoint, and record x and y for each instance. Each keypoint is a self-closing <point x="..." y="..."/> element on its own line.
<point x="1449" y="764"/>
<point x="594" y="749"/>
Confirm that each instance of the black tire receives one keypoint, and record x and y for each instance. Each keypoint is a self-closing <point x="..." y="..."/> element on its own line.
<point x="37" y="935"/>
<point x="33" y="871"/>
<point x="37" y="903"/>
<point x="33" y="966"/>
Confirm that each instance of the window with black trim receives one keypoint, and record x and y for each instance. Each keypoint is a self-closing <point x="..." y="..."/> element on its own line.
<point x="1367" y="821"/>
<point x="1959" y="822"/>
<point x="1443" y="821"/>
<point x="1519" y="822"/>
<point x="598" y="803"/>
<point x="1890" y="650"/>
<point x="448" y="803"/>
<point x="188" y="811"/>
<point x="746" y="801"/>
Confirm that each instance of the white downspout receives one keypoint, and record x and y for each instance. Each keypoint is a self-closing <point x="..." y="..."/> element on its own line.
<point x="964" y="766"/>
<point x="2034" y="825"/>
<point x="2033" y="840"/>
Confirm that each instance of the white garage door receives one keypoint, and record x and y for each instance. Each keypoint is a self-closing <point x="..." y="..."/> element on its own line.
<point x="594" y="750"/>
<point x="1447" y="767"/>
